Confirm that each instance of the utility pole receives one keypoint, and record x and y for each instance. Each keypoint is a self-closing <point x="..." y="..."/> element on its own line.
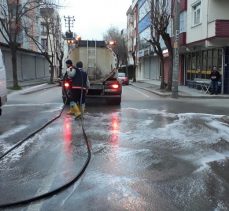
<point x="69" y="22"/>
<point x="176" y="32"/>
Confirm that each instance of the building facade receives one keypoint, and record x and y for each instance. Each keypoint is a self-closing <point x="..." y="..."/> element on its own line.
<point x="51" y="35"/>
<point x="205" y="41"/>
<point x="30" y="32"/>
<point x="148" y="62"/>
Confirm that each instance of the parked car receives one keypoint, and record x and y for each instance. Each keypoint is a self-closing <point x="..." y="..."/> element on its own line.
<point x="123" y="78"/>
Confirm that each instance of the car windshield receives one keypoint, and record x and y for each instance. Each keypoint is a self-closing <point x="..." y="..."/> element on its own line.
<point x="121" y="74"/>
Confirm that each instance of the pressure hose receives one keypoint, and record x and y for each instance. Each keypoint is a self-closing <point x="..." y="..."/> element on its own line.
<point x="68" y="184"/>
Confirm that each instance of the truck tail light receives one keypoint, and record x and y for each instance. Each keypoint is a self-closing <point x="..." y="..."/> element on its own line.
<point x="115" y="86"/>
<point x="66" y="85"/>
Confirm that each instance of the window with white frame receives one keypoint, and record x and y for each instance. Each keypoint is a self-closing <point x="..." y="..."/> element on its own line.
<point x="44" y="44"/>
<point x="196" y="8"/>
<point x="183" y="20"/>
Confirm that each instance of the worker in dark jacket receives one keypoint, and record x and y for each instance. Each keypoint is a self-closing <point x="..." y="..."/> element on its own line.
<point x="215" y="77"/>
<point x="70" y="73"/>
<point x="80" y="85"/>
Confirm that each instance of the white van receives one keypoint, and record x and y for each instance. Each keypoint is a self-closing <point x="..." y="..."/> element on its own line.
<point x="3" y="91"/>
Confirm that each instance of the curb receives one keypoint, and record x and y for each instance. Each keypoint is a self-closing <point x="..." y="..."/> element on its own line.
<point x="180" y="95"/>
<point x="38" y="88"/>
<point x="153" y="91"/>
<point x="33" y="88"/>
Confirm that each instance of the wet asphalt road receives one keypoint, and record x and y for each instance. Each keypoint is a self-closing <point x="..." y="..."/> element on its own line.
<point x="150" y="153"/>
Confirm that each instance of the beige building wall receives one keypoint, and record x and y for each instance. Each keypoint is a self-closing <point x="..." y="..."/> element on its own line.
<point x="103" y="64"/>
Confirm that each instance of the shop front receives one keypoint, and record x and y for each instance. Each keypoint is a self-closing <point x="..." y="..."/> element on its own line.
<point x="198" y="65"/>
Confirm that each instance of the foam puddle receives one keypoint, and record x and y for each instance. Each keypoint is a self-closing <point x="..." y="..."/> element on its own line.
<point x="186" y="131"/>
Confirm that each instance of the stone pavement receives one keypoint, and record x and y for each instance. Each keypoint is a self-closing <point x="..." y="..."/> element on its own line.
<point x="183" y="91"/>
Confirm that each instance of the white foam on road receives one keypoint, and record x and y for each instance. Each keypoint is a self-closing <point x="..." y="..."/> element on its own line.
<point x="16" y="154"/>
<point x="185" y="131"/>
<point x="12" y="132"/>
<point x="4" y="145"/>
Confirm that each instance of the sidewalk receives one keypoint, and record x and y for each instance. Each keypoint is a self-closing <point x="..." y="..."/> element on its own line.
<point x="148" y="85"/>
<point x="183" y="91"/>
<point x="33" y="86"/>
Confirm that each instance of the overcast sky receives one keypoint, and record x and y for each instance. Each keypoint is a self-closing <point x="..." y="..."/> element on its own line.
<point x="94" y="17"/>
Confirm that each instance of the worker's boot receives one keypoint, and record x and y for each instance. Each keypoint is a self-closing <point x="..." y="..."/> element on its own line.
<point x="82" y="108"/>
<point x="77" y="112"/>
<point x="71" y="110"/>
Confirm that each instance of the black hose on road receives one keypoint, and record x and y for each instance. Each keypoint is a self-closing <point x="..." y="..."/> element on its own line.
<point x="61" y="188"/>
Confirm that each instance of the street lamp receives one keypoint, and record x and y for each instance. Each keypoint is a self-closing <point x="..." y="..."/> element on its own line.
<point x="78" y="37"/>
<point x="112" y="42"/>
<point x="71" y="42"/>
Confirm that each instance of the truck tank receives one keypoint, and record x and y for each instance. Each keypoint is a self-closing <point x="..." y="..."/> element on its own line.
<point x="98" y="60"/>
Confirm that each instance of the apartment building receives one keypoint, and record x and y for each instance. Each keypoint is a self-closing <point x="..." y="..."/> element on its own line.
<point x="204" y="42"/>
<point x="28" y="30"/>
<point x="132" y="31"/>
<point x="148" y="64"/>
<point x="51" y="34"/>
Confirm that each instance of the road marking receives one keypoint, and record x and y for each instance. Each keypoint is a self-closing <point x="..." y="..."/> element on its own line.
<point x="139" y="92"/>
<point x="33" y="104"/>
<point x="13" y="131"/>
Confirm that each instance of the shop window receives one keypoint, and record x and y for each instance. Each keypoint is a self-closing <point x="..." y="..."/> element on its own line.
<point x="188" y="66"/>
<point x="215" y="58"/>
<point x="198" y="64"/>
<point x="210" y="59"/>
<point x="193" y="72"/>
<point x="204" y="67"/>
<point x="193" y="61"/>
<point x="220" y="61"/>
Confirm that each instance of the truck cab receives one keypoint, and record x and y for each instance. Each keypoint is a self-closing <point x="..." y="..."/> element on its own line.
<point x="3" y="90"/>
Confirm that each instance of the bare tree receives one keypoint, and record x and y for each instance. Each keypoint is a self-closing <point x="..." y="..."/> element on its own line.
<point x="160" y="16"/>
<point x="12" y="13"/>
<point x="60" y="56"/>
<point x="132" y="50"/>
<point x="50" y="46"/>
<point x="155" y="42"/>
<point x="119" y="47"/>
